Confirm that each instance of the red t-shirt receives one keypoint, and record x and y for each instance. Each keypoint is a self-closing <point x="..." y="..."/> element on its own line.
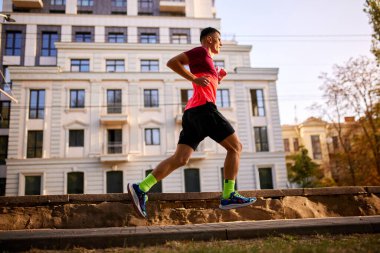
<point x="201" y="64"/>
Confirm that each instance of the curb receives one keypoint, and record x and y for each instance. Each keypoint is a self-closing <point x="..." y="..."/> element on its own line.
<point x="8" y="201"/>
<point x="59" y="239"/>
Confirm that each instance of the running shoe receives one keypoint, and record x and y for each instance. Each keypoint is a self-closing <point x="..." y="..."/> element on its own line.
<point x="235" y="201"/>
<point x="138" y="198"/>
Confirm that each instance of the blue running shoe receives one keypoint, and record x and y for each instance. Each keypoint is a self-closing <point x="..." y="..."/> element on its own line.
<point x="235" y="201"/>
<point x="138" y="198"/>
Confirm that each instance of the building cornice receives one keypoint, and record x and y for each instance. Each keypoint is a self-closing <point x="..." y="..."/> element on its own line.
<point x="112" y="20"/>
<point x="146" y="47"/>
<point x="54" y="73"/>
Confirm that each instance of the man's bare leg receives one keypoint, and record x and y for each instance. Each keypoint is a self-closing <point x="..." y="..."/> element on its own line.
<point x="232" y="161"/>
<point x="180" y="158"/>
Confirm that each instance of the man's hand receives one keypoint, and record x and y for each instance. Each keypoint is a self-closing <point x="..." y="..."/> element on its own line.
<point x="202" y="81"/>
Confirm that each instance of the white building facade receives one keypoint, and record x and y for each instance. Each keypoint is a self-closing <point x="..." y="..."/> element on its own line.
<point x="98" y="108"/>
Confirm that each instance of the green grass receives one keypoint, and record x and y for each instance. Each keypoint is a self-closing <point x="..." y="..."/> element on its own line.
<point x="282" y="244"/>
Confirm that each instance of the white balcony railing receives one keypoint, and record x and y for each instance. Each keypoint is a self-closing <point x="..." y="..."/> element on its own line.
<point x="114" y="152"/>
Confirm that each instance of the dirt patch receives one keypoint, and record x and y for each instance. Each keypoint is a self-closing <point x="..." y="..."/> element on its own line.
<point x="119" y="214"/>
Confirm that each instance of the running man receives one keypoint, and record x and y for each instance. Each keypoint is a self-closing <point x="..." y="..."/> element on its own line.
<point x="200" y="119"/>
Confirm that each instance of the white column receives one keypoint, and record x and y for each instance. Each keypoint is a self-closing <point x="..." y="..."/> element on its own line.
<point x="99" y="33"/>
<point x="66" y="33"/>
<point x="71" y="6"/>
<point x="30" y="45"/>
<point x="95" y="111"/>
<point x="164" y="35"/>
<point x="133" y="112"/>
<point x="132" y="35"/>
<point x="132" y="8"/>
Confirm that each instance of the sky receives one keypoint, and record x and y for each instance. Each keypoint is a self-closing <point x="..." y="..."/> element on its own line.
<point x="303" y="38"/>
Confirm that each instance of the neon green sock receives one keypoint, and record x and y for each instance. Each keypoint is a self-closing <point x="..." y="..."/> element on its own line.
<point x="229" y="187"/>
<point x="148" y="183"/>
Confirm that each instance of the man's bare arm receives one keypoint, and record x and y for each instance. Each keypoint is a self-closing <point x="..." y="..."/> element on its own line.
<point x="177" y="65"/>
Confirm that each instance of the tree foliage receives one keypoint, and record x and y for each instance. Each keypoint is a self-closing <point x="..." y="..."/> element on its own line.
<point x="349" y="91"/>
<point x="304" y="171"/>
<point x="372" y="7"/>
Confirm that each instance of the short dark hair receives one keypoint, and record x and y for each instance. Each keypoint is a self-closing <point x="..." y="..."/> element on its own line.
<point x="207" y="31"/>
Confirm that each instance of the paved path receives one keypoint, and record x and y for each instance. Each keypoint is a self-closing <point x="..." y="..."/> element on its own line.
<point x="136" y="236"/>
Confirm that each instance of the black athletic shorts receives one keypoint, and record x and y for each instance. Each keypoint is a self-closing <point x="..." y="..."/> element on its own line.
<point x="202" y="121"/>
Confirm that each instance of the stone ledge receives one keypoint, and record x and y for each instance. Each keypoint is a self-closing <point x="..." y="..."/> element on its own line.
<point x="189" y="196"/>
<point x="373" y="189"/>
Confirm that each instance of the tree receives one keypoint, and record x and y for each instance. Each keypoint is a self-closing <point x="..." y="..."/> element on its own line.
<point x="304" y="171"/>
<point x="372" y="7"/>
<point x="349" y="92"/>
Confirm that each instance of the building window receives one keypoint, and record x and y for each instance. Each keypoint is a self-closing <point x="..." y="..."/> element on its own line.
<point x="115" y="66"/>
<point x="335" y="142"/>
<point x="35" y="144"/>
<point x="80" y="65"/>
<point x="296" y="145"/>
<point x="3" y="182"/>
<point x="85" y="3"/>
<point x="186" y="94"/>
<point x="33" y="185"/>
<point x="113" y="101"/>
<point x="37" y="104"/>
<point x="13" y="43"/>
<point x="149" y="65"/>
<point x="219" y="63"/>
<point x="77" y="98"/>
<point x="83" y="37"/>
<point x="5" y="107"/>
<point x="75" y="183"/>
<point x="3" y="149"/>
<point x="48" y="46"/>
<point x="316" y="146"/>
<point x="178" y="38"/>
<point x="257" y="97"/>
<point x="114" y="182"/>
<point x="148" y="38"/>
<point x="76" y="138"/>
<point x="57" y="2"/>
<point x="261" y="139"/>
<point x="116" y="38"/>
<point x="145" y="7"/>
<point x="152" y="136"/>
<point x="119" y="3"/>
<point x="223" y="98"/>
<point x="115" y="141"/>
<point x="192" y="180"/>
<point x="286" y="145"/>
<point x="266" y="179"/>
<point x="151" y="98"/>
<point x="157" y="187"/>
<point x="222" y="176"/>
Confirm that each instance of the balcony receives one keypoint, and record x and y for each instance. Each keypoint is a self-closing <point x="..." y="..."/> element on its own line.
<point x="110" y="119"/>
<point x="173" y="6"/>
<point x="113" y="114"/>
<point x="114" y="152"/>
<point x="28" y="4"/>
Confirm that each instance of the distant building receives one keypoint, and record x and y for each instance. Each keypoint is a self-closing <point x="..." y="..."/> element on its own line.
<point x="320" y="138"/>
<point x="99" y="108"/>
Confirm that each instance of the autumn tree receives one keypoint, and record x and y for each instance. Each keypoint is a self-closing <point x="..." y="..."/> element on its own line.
<point x="372" y="7"/>
<point x="349" y="91"/>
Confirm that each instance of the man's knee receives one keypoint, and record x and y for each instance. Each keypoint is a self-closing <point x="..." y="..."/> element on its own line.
<point x="181" y="160"/>
<point x="235" y="147"/>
